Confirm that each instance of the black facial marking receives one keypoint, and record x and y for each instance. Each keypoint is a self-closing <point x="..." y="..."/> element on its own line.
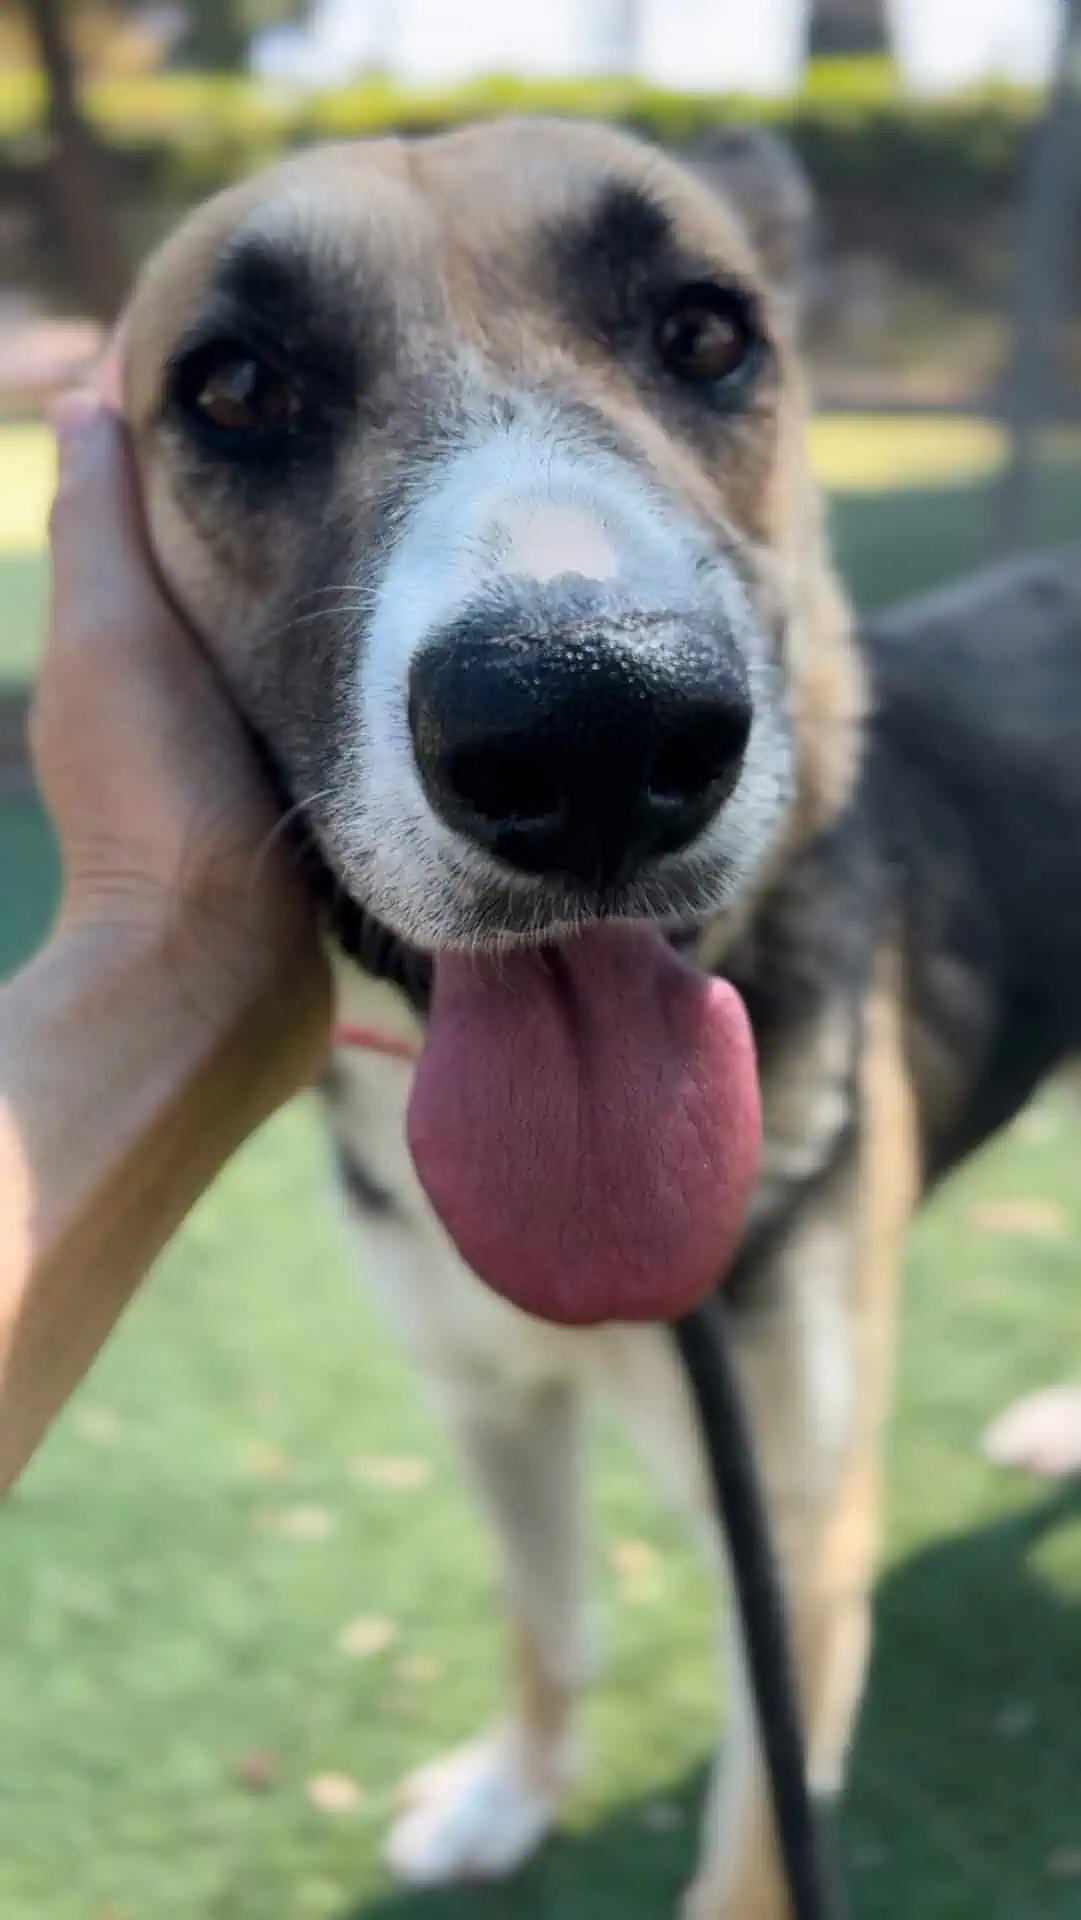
<point x="624" y="233"/>
<point x="622" y="277"/>
<point x="282" y="328"/>
<point x="311" y="308"/>
<point x="607" y="262"/>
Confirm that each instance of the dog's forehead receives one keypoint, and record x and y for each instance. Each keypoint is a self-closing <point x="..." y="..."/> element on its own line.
<point x="412" y="220"/>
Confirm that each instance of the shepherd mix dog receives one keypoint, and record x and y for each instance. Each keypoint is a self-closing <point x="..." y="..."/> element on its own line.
<point x="480" y="463"/>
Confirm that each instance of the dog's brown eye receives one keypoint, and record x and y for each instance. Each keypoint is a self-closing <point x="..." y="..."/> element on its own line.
<point x="239" y="394"/>
<point x="707" y="335"/>
<point x="227" y="388"/>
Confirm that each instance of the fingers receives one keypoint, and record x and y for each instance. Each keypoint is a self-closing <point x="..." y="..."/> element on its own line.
<point x="100" y="572"/>
<point x="107" y="379"/>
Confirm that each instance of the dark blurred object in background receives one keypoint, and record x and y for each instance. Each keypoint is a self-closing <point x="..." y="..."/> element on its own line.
<point x="74" y="169"/>
<point x="849" y="26"/>
<point x="1040" y="380"/>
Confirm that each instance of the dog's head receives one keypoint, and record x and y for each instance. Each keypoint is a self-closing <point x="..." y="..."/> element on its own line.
<point x="479" y="462"/>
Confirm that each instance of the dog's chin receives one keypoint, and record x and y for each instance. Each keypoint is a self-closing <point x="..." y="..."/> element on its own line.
<point x="491" y="918"/>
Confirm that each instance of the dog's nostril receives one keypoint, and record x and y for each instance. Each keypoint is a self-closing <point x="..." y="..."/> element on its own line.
<point x="582" y="754"/>
<point x="705" y="750"/>
<point x="504" y="785"/>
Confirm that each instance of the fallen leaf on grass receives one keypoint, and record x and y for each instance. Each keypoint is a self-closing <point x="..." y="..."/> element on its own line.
<point x="635" y="1565"/>
<point x="334" y="1793"/>
<point x="419" y="1669"/>
<point x="1065" y="1864"/>
<point x="99" y="1425"/>
<point x="258" y="1772"/>
<point x="363" y="1639"/>
<point x="264" y="1461"/>
<point x="304" y="1524"/>
<point x="321" y="1896"/>
<point x="1022" y="1219"/>
<point x="395" y="1475"/>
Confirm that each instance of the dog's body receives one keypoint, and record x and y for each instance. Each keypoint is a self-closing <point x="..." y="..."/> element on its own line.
<point x="890" y="878"/>
<point x="944" y="900"/>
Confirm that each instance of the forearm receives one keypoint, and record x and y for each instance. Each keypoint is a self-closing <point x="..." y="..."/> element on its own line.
<point x="125" y="1084"/>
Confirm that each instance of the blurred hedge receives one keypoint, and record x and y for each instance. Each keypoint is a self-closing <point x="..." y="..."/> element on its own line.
<point x="929" y="181"/>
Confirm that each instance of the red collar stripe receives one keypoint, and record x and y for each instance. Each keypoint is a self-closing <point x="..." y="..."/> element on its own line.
<point x="370" y="1040"/>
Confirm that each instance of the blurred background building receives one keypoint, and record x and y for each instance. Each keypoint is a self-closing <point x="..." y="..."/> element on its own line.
<point x="698" y="45"/>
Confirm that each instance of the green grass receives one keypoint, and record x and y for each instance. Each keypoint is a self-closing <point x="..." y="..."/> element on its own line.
<point x="28" y="868"/>
<point x="178" y="1567"/>
<point x="160" y="1621"/>
<point x="891" y="545"/>
<point x="22" y="616"/>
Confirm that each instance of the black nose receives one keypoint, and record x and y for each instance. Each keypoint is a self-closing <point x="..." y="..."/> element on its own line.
<point x="584" y="754"/>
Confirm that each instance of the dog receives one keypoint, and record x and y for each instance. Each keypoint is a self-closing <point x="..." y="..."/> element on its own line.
<point x="479" y="462"/>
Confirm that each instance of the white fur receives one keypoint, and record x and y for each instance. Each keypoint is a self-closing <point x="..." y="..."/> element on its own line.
<point x="508" y="1387"/>
<point x="473" y="1815"/>
<point x="523" y="493"/>
<point x="543" y="539"/>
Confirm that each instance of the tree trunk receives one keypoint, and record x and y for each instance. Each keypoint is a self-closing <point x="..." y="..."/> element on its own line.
<point x="1033" y="387"/>
<point x="77" y="174"/>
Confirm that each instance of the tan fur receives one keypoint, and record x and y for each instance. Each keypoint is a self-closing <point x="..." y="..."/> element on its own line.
<point x="823" y="1474"/>
<point x="449" y="225"/>
<point x="447" y="229"/>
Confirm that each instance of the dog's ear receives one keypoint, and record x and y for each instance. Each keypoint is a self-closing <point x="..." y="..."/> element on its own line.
<point x="764" y="181"/>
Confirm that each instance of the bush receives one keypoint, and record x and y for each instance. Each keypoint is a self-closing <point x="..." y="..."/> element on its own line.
<point x="927" y="182"/>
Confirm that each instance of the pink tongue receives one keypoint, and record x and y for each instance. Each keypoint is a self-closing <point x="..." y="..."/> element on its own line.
<point x="585" y="1123"/>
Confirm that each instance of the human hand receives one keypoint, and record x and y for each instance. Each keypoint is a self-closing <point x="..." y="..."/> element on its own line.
<point x="166" y="828"/>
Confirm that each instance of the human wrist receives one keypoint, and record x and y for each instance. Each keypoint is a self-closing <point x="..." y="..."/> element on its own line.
<point x="214" y="979"/>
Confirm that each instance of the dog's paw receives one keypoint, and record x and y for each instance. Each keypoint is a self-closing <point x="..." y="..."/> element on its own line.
<point x="1040" y="1434"/>
<point x="471" y="1816"/>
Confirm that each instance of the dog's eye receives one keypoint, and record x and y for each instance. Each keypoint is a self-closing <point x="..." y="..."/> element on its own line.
<point x="707" y="335"/>
<point x="230" y="389"/>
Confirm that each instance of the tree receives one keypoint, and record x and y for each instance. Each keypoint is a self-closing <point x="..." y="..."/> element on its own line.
<point x="849" y="26"/>
<point x="1033" y="387"/>
<point x="218" y="36"/>
<point x="76" y="172"/>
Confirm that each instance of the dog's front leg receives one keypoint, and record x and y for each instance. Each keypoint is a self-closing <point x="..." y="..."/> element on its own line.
<point x="481" y="1811"/>
<point x="507" y="1388"/>
<point x="815" y="1361"/>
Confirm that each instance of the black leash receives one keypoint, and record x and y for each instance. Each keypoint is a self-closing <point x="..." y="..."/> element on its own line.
<point x="703" y="1344"/>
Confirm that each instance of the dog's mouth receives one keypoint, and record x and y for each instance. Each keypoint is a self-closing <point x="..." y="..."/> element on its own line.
<point x="584" y="1117"/>
<point x="584" y="1120"/>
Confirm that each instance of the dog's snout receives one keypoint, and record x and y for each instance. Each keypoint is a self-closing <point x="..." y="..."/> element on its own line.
<point x="584" y="754"/>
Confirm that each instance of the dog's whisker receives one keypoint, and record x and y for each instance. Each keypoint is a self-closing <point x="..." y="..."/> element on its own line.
<point x="353" y="607"/>
<point x="281" y="827"/>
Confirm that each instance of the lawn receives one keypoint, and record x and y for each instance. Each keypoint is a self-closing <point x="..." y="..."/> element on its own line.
<point x="244" y="1562"/>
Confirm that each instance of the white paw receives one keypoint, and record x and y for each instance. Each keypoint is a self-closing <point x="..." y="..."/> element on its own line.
<point x="1040" y="1434"/>
<point x="471" y="1816"/>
